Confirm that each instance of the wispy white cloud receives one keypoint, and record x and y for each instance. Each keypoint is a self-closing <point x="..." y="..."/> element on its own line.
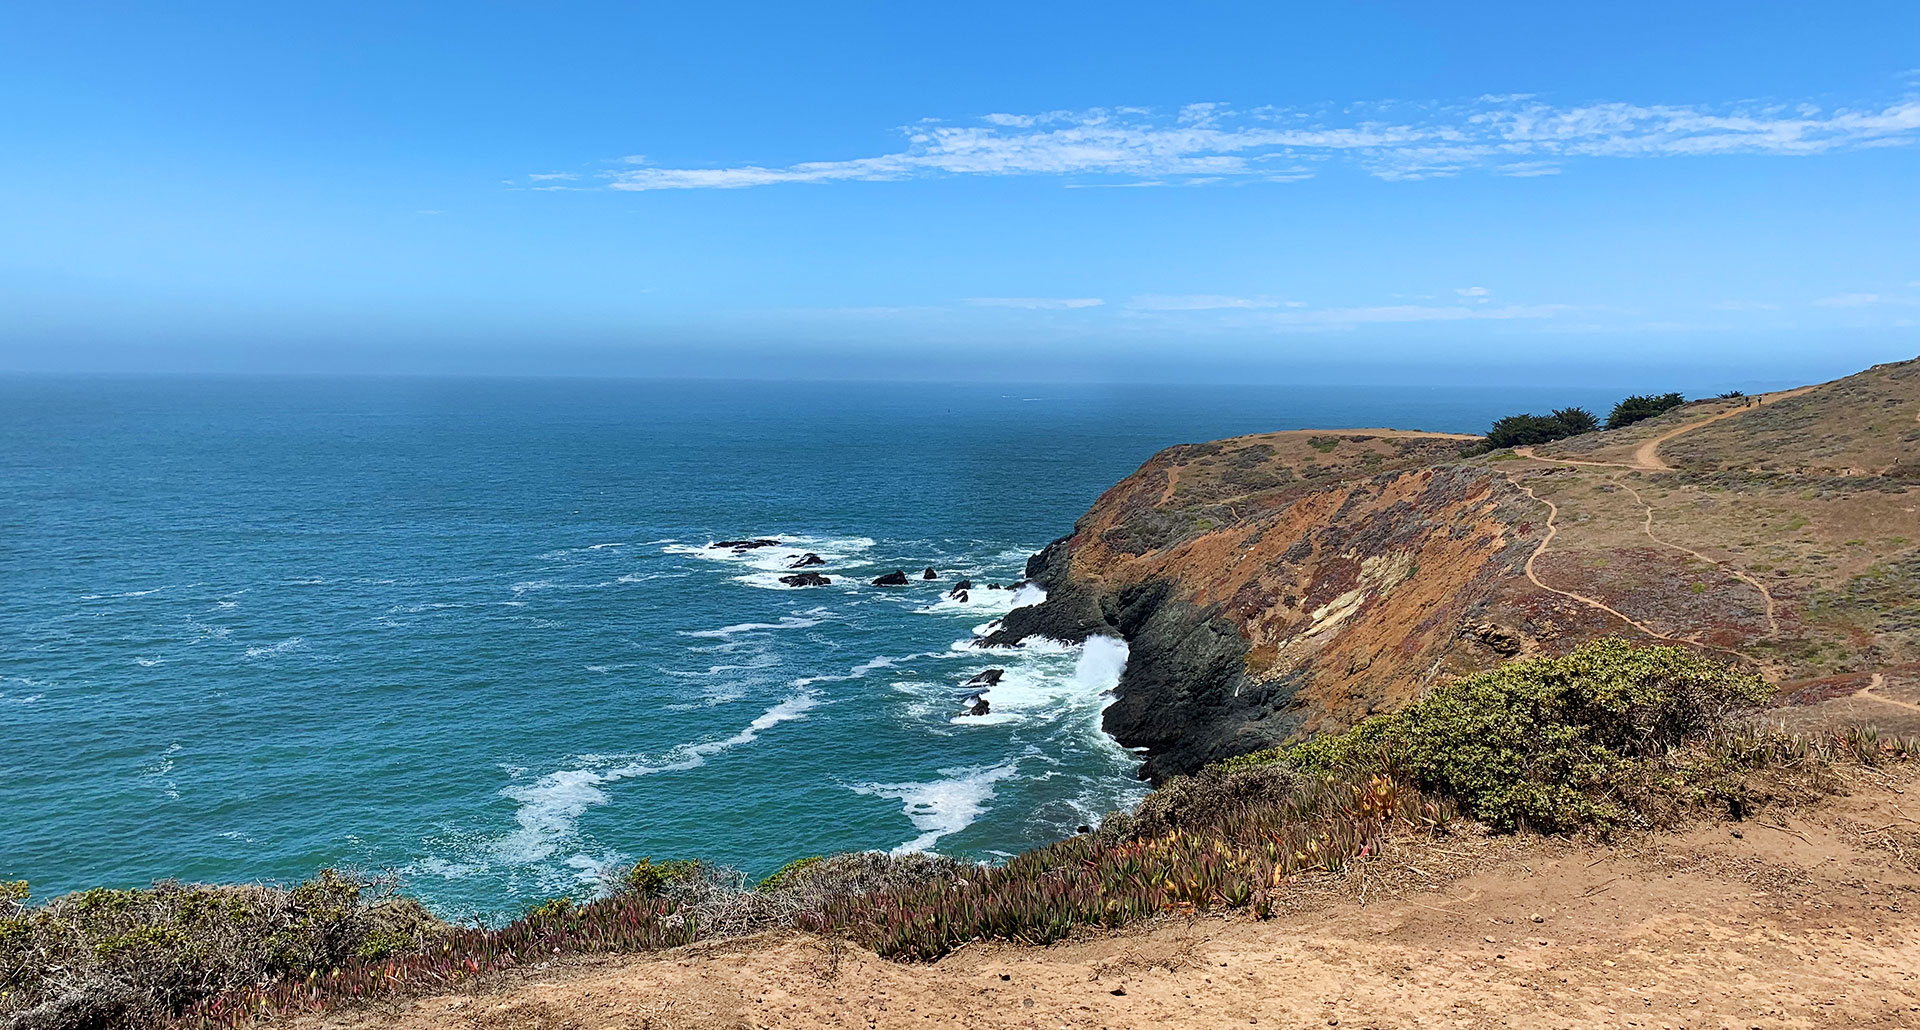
<point x="1849" y="300"/>
<point x="1037" y="303"/>
<point x="1206" y="302"/>
<point x="550" y="176"/>
<point x="1477" y="294"/>
<point x="1208" y="143"/>
<point x="1527" y="169"/>
<point x="1414" y="313"/>
<point x="1299" y="316"/>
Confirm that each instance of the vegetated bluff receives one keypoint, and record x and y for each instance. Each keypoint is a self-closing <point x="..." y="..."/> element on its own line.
<point x="1279" y="585"/>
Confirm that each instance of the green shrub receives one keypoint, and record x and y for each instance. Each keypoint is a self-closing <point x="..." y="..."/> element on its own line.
<point x="104" y="958"/>
<point x="1640" y="407"/>
<point x="1548" y="744"/>
<point x="790" y="873"/>
<point x="648" y="878"/>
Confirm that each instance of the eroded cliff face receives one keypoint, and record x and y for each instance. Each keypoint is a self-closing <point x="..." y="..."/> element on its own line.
<point x="1275" y="586"/>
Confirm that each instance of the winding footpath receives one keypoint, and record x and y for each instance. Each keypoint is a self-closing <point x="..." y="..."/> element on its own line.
<point x="1646" y="458"/>
<point x="1553" y="530"/>
<point x="1877" y="682"/>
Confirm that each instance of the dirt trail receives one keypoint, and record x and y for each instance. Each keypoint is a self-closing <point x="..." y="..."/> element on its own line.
<point x="1647" y="455"/>
<point x="1646" y="458"/>
<point x="1875" y="683"/>
<point x="1553" y="530"/>
<point x="1808" y="922"/>
<point x="1773" y="621"/>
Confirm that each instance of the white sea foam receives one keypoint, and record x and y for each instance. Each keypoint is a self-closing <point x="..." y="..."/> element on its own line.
<point x="1044" y="688"/>
<point x="779" y="558"/>
<point x="536" y="585"/>
<point x="1102" y="660"/>
<point x="1031" y="645"/>
<point x="129" y="593"/>
<point x="275" y="650"/>
<point x="551" y="806"/>
<point x="161" y="769"/>
<point x="789" y="622"/>
<point x="944" y="806"/>
<point x="148" y="663"/>
<point x="982" y="599"/>
<point x="648" y="577"/>
<point x="564" y="551"/>
<point x="722" y="669"/>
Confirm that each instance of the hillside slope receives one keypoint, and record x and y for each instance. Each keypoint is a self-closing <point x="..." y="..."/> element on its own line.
<point x="1805" y="922"/>
<point x="1278" y="585"/>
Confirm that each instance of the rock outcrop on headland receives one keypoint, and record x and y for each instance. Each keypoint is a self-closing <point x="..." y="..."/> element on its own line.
<point x="1274" y="586"/>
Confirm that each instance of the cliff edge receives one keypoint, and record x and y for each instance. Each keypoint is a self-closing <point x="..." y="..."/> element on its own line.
<point x="1275" y="586"/>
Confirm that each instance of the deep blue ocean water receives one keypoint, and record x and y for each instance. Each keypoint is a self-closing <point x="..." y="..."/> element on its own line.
<point x="470" y="630"/>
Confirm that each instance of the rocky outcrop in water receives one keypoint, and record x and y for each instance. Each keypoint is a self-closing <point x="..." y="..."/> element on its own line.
<point x="896" y="578"/>
<point x="806" y="561"/>
<point x="806" y="579"/>
<point x="744" y="545"/>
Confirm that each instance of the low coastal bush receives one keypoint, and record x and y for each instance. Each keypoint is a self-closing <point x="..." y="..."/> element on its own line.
<point x="103" y="958"/>
<point x="1548" y="744"/>
<point x="648" y="878"/>
<point x="1610" y="734"/>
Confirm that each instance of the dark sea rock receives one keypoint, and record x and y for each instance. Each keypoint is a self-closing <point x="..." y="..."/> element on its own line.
<point x="959" y="595"/>
<point x="977" y="705"/>
<point x="806" y="579"/>
<point x="744" y="545"/>
<point x="989" y="678"/>
<point x="896" y="578"/>
<point x="806" y="561"/>
<point x="1184" y="694"/>
<point x="960" y="588"/>
<point x="1071" y="611"/>
<point x="929" y="574"/>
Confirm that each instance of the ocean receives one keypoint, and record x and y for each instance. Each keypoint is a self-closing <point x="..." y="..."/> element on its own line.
<point x="471" y="631"/>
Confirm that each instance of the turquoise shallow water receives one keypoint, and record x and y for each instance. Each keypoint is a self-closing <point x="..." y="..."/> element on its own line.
<point x="470" y="630"/>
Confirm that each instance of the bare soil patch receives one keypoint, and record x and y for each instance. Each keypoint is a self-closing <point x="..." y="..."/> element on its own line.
<point x="1792" y="919"/>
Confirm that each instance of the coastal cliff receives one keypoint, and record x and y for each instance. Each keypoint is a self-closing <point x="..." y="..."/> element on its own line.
<point x="1277" y="586"/>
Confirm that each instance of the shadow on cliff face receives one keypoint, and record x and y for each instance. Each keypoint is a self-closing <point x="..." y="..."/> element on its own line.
<point x="1184" y="694"/>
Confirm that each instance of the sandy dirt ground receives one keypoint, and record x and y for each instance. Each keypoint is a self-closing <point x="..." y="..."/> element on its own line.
<point x="1805" y="919"/>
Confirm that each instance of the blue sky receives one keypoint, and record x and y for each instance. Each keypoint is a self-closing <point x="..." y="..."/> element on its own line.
<point x="1363" y="192"/>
